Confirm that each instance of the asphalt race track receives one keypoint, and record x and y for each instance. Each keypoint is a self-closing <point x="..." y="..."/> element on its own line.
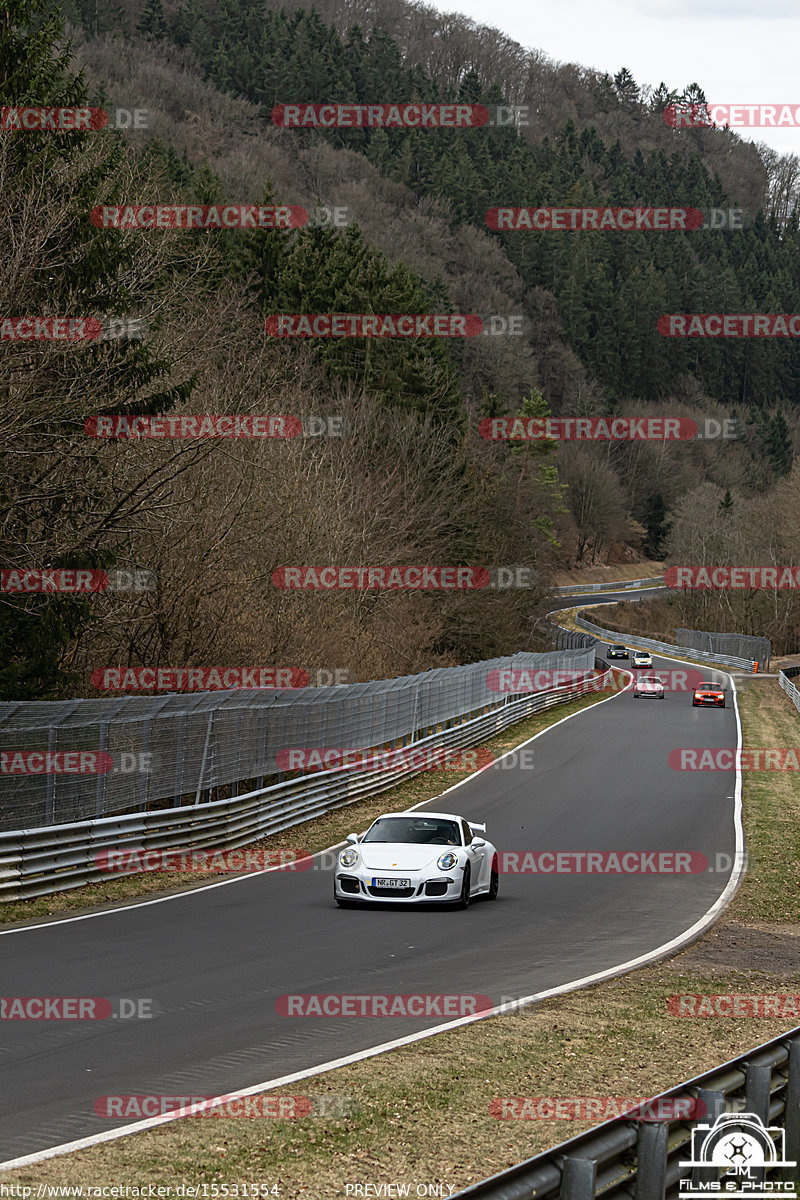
<point x="213" y="963"/>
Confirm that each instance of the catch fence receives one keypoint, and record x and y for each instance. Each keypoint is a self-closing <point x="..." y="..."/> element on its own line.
<point x="161" y="751"/>
<point x="739" y="645"/>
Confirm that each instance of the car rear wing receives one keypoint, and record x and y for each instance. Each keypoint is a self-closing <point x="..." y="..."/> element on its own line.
<point x="474" y="825"/>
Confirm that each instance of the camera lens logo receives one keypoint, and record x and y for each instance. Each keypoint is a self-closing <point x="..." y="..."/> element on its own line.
<point x="742" y="1148"/>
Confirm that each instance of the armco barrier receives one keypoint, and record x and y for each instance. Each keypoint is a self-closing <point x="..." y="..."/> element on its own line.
<point x="624" y="1159"/>
<point x="586" y="589"/>
<point x="665" y="648"/>
<point x="37" y="862"/>
<point x="785" y="681"/>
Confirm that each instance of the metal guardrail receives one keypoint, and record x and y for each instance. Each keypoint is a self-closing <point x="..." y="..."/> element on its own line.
<point x="585" y="589"/>
<point x="625" y="1158"/>
<point x="791" y="689"/>
<point x="38" y="862"/>
<point x="666" y="648"/>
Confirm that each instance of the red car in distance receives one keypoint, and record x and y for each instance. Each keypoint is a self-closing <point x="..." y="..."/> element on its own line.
<point x="708" y="694"/>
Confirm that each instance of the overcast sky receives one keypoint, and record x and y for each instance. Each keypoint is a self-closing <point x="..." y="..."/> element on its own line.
<point x="739" y="51"/>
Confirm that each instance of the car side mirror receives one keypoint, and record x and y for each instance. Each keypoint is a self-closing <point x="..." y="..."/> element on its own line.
<point x="477" y="842"/>
<point x="352" y="837"/>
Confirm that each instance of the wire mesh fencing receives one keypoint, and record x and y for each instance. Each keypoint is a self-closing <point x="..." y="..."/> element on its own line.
<point x="737" y="645"/>
<point x="65" y="761"/>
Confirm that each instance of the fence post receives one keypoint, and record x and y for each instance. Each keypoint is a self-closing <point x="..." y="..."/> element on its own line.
<point x="792" y="1109"/>
<point x="203" y="762"/>
<point x="578" y="1176"/>
<point x="715" y="1106"/>
<point x="651" y="1171"/>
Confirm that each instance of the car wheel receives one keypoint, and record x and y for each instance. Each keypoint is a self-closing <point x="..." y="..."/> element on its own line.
<point x="464" y="898"/>
<point x="494" y="885"/>
<point x="661" y="697"/>
<point x="636" y="695"/>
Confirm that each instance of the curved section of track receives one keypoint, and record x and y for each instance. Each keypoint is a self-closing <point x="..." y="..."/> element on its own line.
<point x="213" y="962"/>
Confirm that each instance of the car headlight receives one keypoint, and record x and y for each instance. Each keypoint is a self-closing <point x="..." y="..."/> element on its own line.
<point x="348" y="858"/>
<point x="447" y="861"/>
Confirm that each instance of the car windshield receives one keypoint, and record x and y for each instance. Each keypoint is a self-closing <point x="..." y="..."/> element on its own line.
<point x="416" y="830"/>
<point x="650" y="679"/>
<point x="709" y="687"/>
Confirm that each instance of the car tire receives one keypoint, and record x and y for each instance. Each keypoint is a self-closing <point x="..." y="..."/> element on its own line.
<point x="464" y="898"/>
<point x="661" y="697"/>
<point x="494" y="883"/>
<point x="636" y="695"/>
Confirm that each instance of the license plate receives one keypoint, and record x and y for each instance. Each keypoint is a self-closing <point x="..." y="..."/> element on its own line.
<point x="391" y="883"/>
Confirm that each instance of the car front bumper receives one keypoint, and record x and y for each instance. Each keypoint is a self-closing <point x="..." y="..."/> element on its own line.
<point x="424" y="888"/>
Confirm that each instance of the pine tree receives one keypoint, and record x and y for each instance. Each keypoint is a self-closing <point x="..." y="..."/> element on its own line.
<point x="654" y="519"/>
<point x="779" y="444"/>
<point x="725" y="505"/>
<point x="152" y="23"/>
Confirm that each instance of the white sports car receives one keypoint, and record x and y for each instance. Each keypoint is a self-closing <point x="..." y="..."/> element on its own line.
<point x="417" y="857"/>
<point x="642" y="658"/>
<point x="648" y="685"/>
